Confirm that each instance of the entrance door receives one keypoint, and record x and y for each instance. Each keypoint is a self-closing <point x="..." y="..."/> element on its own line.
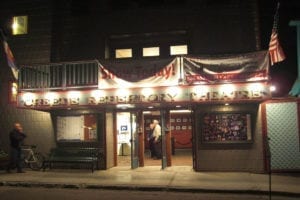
<point x="128" y="124"/>
<point x="134" y="116"/>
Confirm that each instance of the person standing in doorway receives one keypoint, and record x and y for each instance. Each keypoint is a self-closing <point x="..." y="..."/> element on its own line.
<point x="157" y="139"/>
<point x="16" y="137"/>
<point x="151" y="141"/>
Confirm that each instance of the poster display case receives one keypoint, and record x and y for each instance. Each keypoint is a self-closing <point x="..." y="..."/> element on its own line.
<point x="226" y="127"/>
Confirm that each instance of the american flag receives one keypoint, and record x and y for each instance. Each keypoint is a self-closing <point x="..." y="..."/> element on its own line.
<point x="11" y="60"/>
<point x="275" y="50"/>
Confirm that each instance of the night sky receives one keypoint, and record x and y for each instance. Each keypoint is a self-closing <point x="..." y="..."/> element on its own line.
<point x="283" y="74"/>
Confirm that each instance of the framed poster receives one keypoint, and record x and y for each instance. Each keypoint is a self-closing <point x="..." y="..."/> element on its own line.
<point x="226" y="128"/>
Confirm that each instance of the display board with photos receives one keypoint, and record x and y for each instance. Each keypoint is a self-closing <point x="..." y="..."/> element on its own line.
<point x="226" y="127"/>
<point x="180" y="123"/>
<point x="180" y="126"/>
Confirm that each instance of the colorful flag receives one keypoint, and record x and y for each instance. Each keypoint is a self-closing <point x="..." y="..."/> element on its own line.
<point x="11" y="60"/>
<point x="275" y="50"/>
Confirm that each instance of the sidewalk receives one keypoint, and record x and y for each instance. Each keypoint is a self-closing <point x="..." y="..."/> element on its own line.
<point x="180" y="178"/>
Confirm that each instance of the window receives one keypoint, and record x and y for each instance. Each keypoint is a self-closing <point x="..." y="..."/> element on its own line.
<point x="77" y="128"/>
<point x="178" y="50"/>
<point x="123" y="53"/>
<point x="19" y="25"/>
<point x="150" y="51"/>
<point x="147" y="44"/>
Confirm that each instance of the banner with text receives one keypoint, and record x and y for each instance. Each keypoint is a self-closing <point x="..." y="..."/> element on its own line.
<point x="140" y="73"/>
<point x="248" y="67"/>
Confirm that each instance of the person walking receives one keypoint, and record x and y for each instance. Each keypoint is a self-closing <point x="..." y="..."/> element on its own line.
<point x="16" y="137"/>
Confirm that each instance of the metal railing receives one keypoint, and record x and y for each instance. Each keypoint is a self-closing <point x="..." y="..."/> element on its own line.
<point x="59" y="75"/>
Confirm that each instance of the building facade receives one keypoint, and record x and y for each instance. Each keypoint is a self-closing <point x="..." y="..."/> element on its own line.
<point x="85" y="68"/>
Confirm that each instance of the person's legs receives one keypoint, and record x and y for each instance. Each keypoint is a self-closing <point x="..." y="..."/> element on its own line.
<point x="157" y="148"/>
<point x="13" y="159"/>
<point x="19" y="161"/>
<point x="152" y="148"/>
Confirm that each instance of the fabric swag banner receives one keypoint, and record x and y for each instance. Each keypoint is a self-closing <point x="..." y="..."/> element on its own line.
<point x="233" y="68"/>
<point x="139" y="74"/>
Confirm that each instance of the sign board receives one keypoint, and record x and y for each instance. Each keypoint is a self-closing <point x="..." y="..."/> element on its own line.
<point x="184" y="94"/>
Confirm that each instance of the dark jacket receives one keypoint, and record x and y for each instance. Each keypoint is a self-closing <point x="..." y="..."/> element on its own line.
<point x="16" y="138"/>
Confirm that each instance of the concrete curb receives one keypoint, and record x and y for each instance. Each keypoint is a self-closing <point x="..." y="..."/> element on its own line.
<point x="143" y="188"/>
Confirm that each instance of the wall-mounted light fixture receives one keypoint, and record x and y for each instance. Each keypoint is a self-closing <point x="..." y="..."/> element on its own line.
<point x="272" y="88"/>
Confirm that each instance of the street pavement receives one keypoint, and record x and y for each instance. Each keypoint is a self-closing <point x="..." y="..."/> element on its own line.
<point x="153" y="178"/>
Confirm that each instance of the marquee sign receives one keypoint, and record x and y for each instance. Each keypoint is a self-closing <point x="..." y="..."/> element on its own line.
<point x="198" y="93"/>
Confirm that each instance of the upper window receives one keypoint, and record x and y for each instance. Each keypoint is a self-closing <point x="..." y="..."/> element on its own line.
<point x="123" y="53"/>
<point x="148" y="44"/>
<point x="19" y="25"/>
<point x="150" y="51"/>
<point x="178" y="50"/>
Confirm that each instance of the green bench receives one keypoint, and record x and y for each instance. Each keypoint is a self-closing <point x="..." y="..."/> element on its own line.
<point x="73" y="155"/>
<point x="4" y="159"/>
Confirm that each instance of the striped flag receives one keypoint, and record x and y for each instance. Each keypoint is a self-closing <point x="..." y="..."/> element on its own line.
<point x="275" y="50"/>
<point x="11" y="60"/>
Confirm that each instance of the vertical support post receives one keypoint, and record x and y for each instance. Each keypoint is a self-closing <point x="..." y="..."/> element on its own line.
<point x="64" y="76"/>
<point x="140" y="129"/>
<point x="168" y="139"/>
<point x="268" y="156"/>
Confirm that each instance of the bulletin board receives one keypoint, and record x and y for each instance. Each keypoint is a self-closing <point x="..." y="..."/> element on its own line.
<point x="70" y="127"/>
<point x="226" y="127"/>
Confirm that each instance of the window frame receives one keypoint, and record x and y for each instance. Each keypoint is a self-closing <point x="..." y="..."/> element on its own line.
<point x="152" y="47"/>
<point x="124" y="49"/>
<point x="24" y="28"/>
<point x="178" y="45"/>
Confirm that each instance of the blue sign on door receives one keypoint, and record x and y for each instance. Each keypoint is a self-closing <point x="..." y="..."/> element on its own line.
<point x="124" y="128"/>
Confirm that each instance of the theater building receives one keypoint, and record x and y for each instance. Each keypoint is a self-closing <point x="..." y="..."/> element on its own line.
<point x="88" y="77"/>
